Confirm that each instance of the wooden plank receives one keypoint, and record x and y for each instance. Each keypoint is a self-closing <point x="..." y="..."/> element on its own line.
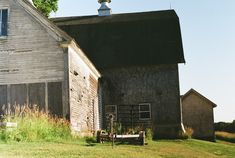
<point x="37" y="95"/>
<point x="127" y="136"/>
<point x="3" y="98"/>
<point x="25" y="57"/>
<point x="55" y="98"/>
<point x="18" y="94"/>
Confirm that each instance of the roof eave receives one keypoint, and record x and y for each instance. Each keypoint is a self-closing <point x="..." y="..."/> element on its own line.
<point x="194" y="91"/>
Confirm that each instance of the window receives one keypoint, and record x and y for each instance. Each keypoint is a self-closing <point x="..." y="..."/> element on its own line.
<point x="3" y="22"/>
<point x="145" y="111"/>
<point x="111" y="110"/>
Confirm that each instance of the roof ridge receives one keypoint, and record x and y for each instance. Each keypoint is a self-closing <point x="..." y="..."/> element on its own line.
<point x="200" y="95"/>
<point x="164" y="14"/>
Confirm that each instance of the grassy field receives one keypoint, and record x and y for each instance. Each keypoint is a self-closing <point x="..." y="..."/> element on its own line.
<point x="81" y="149"/>
<point x="225" y="136"/>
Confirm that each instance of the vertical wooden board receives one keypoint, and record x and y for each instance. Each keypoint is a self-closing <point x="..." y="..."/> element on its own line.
<point x="37" y="95"/>
<point x="55" y="106"/>
<point x="3" y="97"/>
<point x="18" y="94"/>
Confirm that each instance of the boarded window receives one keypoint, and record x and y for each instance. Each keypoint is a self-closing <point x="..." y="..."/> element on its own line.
<point x="18" y="94"/>
<point x="111" y="110"/>
<point x="3" y="99"/>
<point x="37" y="95"/>
<point x="145" y="111"/>
<point x="55" y="105"/>
<point x="3" y="22"/>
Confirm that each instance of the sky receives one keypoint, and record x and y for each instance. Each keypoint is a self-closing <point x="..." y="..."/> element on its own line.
<point x="208" y="34"/>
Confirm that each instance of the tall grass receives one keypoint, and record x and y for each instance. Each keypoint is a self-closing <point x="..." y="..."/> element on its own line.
<point x="34" y="125"/>
<point x="230" y="137"/>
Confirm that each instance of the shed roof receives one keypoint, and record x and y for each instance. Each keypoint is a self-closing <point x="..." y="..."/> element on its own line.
<point x="146" y="38"/>
<point x="199" y="95"/>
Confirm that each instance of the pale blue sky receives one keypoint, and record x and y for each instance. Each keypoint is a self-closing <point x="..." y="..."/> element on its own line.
<point x="208" y="32"/>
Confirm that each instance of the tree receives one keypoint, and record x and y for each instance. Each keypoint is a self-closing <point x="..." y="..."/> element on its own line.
<point x="46" y="6"/>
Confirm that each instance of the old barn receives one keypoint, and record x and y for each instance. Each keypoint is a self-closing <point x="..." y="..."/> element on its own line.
<point x="121" y="64"/>
<point x="40" y="64"/>
<point x="138" y="56"/>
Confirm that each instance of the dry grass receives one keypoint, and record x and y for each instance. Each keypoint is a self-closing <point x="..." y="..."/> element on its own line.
<point x="230" y="137"/>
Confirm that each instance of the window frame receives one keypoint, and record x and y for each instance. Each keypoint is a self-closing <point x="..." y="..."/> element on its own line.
<point x="7" y="22"/>
<point x="140" y="111"/>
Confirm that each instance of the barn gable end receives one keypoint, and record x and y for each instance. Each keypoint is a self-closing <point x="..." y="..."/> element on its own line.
<point x="35" y="64"/>
<point x="197" y="113"/>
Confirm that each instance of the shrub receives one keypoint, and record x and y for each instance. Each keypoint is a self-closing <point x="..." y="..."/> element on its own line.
<point x="34" y="125"/>
<point x="149" y="133"/>
<point x="118" y="129"/>
<point x="188" y="134"/>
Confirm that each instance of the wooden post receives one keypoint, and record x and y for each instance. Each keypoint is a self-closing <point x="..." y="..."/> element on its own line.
<point x="111" y="128"/>
<point x="98" y="137"/>
<point x="142" y="137"/>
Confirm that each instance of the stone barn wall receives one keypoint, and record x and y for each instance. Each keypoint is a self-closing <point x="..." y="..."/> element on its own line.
<point x="157" y="85"/>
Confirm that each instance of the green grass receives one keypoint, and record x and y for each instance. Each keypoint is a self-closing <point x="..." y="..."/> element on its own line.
<point x="76" y="149"/>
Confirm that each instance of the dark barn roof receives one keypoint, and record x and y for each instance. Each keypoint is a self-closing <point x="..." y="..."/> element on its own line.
<point x="147" y="38"/>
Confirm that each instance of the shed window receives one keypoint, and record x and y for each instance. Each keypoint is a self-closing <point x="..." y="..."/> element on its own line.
<point x="111" y="110"/>
<point x="145" y="111"/>
<point x="3" y="22"/>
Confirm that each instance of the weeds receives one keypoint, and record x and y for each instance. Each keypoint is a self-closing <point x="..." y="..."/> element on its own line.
<point x="34" y="125"/>
<point x="149" y="133"/>
<point x="188" y="134"/>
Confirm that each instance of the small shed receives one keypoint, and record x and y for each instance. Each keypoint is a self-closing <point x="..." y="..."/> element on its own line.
<point x="197" y="113"/>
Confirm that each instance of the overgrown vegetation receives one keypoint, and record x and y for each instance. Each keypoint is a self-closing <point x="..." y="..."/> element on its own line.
<point x="149" y="133"/>
<point x="230" y="137"/>
<point x="34" y="125"/>
<point x="188" y="134"/>
<point x="225" y="126"/>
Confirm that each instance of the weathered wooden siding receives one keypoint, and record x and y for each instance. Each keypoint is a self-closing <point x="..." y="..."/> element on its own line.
<point x="30" y="59"/>
<point x="83" y="95"/>
<point x="36" y="93"/>
<point x="18" y="93"/>
<point x="3" y="98"/>
<point x="28" y="54"/>
<point x="55" y="98"/>
<point x="198" y="114"/>
<point x="157" y="85"/>
<point x="33" y="94"/>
